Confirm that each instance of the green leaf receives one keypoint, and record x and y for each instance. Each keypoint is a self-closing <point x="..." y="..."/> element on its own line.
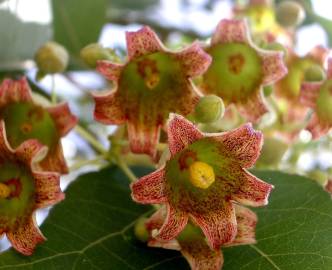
<point x="93" y="229"/>
<point x="19" y="40"/>
<point x="78" y="23"/>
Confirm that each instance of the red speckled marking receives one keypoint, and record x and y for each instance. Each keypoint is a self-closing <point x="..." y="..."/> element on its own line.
<point x="309" y="93"/>
<point x="16" y="187"/>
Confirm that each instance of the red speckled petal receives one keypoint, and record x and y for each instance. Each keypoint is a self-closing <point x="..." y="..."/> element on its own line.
<point x="194" y="59"/>
<point x="231" y="31"/>
<point x="253" y="108"/>
<point x="150" y="188"/>
<point x="31" y="151"/>
<point x="200" y="256"/>
<point x="143" y="41"/>
<point x="48" y="190"/>
<point x="110" y="70"/>
<point x="143" y="139"/>
<point x="246" y="226"/>
<point x="108" y="108"/>
<point x="309" y="93"/>
<point x="317" y="127"/>
<point x="14" y="91"/>
<point x="329" y="68"/>
<point x="64" y="120"/>
<point x="181" y="133"/>
<point x="243" y="144"/>
<point x="174" y="223"/>
<point x="219" y="226"/>
<point x="55" y="160"/>
<point x="252" y="191"/>
<point x="154" y="223"/>
<point x="26" y="236"/>
<point x="273" y="67"/>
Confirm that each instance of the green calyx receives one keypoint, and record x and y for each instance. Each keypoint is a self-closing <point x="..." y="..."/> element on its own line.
<point x="324" y="102"/>
<point x="28" y="121"/>
<point x="235" y="72"/>
<point x="20" y="203"/>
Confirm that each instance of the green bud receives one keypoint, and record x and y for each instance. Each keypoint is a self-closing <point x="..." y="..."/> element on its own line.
<point x="93" y="52"/>
<point x="209" y="109"/>
<point x="314" y="74"/>
<point x="290" y="14"/>
<point x="272" y="152"/>
<point x="52" y="58"/>
<point x="140" y="230"/>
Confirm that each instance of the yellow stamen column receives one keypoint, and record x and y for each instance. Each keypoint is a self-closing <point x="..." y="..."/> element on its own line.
<point x="201" y="174"/>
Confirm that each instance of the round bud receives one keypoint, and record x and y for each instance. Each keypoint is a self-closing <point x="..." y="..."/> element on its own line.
<point x="52" y="58"/>
<point x="91" y="53"/>
<point x="314" y="74"/>
<point x="140" y="230"/>
<point x="290" y="14"/>
<point x="209" y="109"/>
<point x="272" y="152"/>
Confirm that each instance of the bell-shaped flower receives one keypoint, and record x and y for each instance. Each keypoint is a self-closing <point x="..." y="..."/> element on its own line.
<point x="23" y="190"/>
<point x="25" y="119"/>
<point x="152" y="83"/>
<point x="204" y="176"/>
<point x="318" y="97"/>
<point x="192" y="243"/>
<point x="239" y="69"/>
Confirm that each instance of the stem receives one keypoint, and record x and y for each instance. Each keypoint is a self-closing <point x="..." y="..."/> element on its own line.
<point x="91" y="139"/>
<point x="82" y="163"/>
<point x="53" y="92"/>
<point x="124" y="167"/>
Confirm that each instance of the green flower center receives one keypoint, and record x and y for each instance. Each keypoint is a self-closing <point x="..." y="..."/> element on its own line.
<point x="235" y="72"/>
<point x="324" y="102"/>
<point x="216" y="167"/>
<point x="19" y="203"/>
<point x="28" y="121"/>
<point x="153" y="85"/>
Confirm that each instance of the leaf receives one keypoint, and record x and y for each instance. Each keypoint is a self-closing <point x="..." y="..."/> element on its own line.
<point x="78" y="23"/>
<point x="294" y="231"/>
<point x="19" y="40"/>
<point x="93" y="229"/>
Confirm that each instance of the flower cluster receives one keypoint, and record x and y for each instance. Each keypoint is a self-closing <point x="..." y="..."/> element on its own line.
<point x="31" y="161"/>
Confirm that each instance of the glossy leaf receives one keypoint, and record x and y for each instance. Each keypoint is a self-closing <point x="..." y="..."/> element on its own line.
<point x="93" y="229"/>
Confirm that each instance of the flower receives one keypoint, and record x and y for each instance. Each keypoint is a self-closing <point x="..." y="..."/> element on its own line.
<point x="239" y="69"/>
<point x="23" y="190"/>
<point x="292" y="113"/>
<point x="219" y="179"/>
<point x="318" y="96"/>
<point x="151" y="84"/>
<point x="192" y="243"/>
<point x="25" y="119"/>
